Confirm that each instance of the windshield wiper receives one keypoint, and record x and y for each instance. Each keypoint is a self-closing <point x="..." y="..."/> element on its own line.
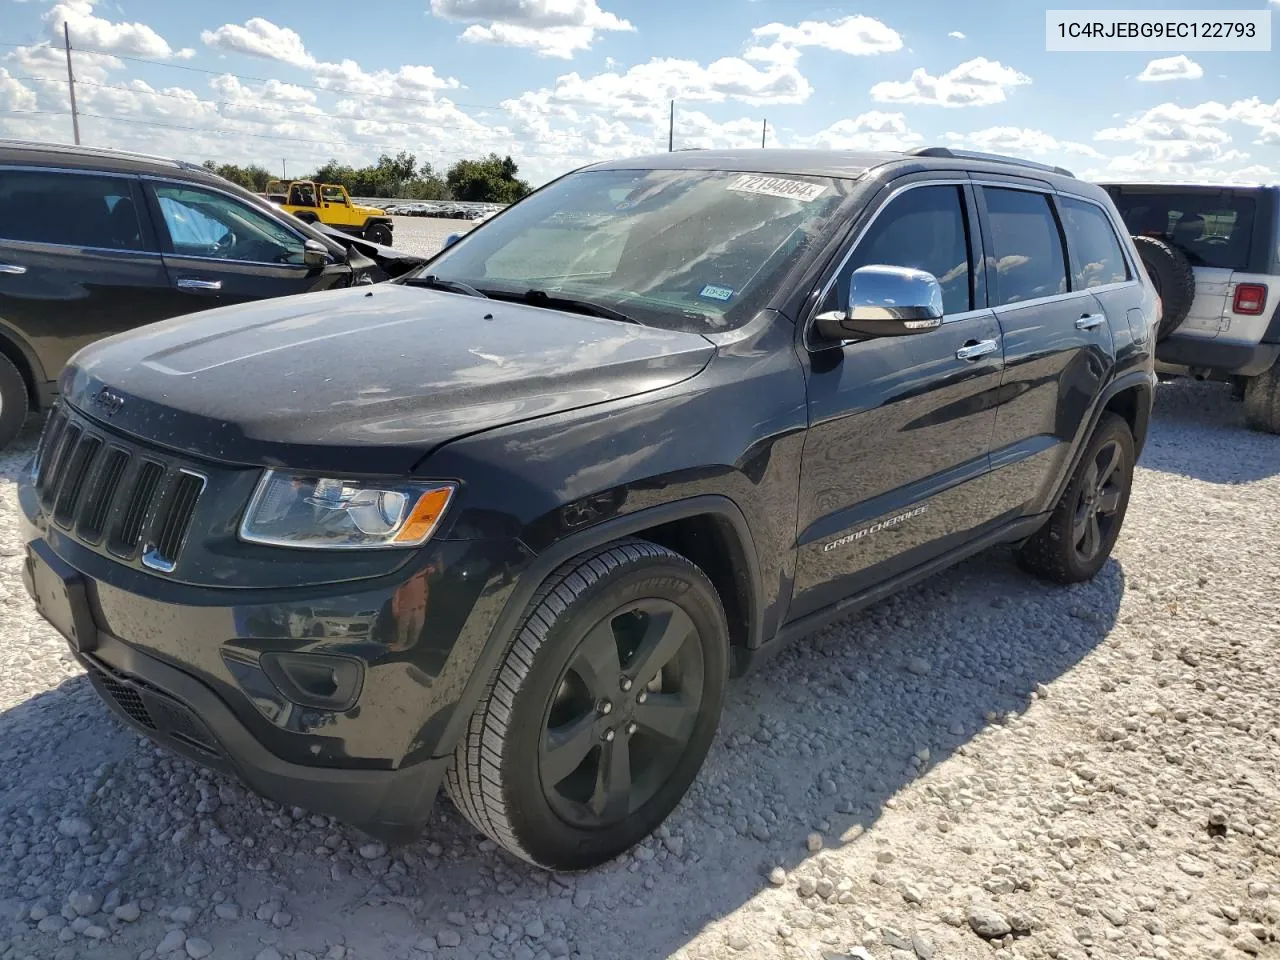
<point x="452" y="286"/>
<point x="540" y="298"/>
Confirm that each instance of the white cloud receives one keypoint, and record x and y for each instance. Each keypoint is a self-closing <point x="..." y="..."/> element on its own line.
<point x="1180" y="67"/>
<point x="974" y="83"/>
<point x="643" y="91"/>
<point x="96" y="33"/>
<point x="1172" y="142"/>
<point x="1264" y="116"/>
<point x="957" y="35"/>
<point x="1019" y="141"/>
<point x="857" y="36"/>
<point x="1169" y="122"/>
<point x="873" y="130"/>
<point x="259" y="37"/>
<point x="552" y="28"/>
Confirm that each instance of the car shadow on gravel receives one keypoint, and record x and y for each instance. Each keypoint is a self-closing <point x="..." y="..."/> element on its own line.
<point x="1198" y="431"/>
<point x="820" y="740"/>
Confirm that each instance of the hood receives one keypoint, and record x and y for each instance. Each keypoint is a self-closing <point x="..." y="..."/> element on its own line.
<point x="366" y="379"/>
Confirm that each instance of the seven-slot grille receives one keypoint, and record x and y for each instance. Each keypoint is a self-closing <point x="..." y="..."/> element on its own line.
<point x="109" y="492"/>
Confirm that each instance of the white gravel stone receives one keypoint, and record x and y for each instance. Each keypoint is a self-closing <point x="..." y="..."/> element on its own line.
<point x="198" y="949"/>
<point x="449" y="938"/>
<point x="173" y="940"/>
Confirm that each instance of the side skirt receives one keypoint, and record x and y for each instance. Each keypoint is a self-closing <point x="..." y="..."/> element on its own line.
<point x="744" y="660"/>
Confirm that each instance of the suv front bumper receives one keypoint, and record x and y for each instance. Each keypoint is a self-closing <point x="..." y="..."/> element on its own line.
<point x="179" y="712"/>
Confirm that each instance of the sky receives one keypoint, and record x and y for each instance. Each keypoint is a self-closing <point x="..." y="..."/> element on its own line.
<point x="561" y="83"/>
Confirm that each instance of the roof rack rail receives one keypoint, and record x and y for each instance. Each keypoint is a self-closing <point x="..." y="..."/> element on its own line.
<point x="79" y="148"/>
<point x="949" y="153"/>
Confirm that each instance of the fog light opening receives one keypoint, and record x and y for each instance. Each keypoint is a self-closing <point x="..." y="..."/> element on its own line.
<point x="317" y="680"/>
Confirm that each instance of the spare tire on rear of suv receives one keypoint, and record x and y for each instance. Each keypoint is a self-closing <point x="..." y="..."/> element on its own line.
<point x="1170" y="270"/>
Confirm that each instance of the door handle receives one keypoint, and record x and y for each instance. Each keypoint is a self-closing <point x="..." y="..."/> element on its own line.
<point x="980" y="348"/>
<point x="13" y="269"/>
<point x="1091" y="320"/>
<point x="189" y="283"/>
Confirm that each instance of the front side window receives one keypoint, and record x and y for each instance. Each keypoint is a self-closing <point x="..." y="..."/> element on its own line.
<point x="1026" y="246"/>
<point x="202" y="223"/>
<point x="1098" y="257"/>
<point x="924" y="229"/>
<point x="79" y="210"/>
<point x="333" y="195"/>
<point x="697" y="250"/>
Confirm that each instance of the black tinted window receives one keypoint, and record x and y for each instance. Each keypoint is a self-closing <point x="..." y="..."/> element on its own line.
<point x="1214" y="229"/>
<point x="925" y="229"/>
<point x="1027" y="247"/>
<point x="70" y="208"/>
<point x="1096" y="252"/>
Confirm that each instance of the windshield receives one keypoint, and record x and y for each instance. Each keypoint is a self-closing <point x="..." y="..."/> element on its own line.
<point x="693" y="250"/>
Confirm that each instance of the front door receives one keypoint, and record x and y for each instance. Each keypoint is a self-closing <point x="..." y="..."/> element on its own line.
<point x="78" y="261"/>
<point x="219" y="250"/>
<point x="895" y="460"/>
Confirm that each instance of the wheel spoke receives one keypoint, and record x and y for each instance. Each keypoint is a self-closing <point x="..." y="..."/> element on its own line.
<point x="611" y="799"/>
<point x="565" y="747"/>
<point x="1110" y="457"/>
<point x="1090" y="479"/>
<point x="597" y="661"/>
<point x="670" y="716"/>
<point x="1080" y="525"/>
<point x="664" y="635"/>
<point x="1109" y="500"/>
<point x="1092" y="536"/>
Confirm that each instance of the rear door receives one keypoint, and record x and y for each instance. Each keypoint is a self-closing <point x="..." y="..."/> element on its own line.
<point x="219" y="250"/>
<point x="1057" y="342"/>
<point x="78" y="261"/>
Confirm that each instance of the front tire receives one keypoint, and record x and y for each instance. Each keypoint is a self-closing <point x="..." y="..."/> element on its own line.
<point x="1262" y="401"/>
<point x="1082" y="530"/>
<point x="603" y="711"/>
<point x="14" y="403"/>
<point x="378" y="233"/>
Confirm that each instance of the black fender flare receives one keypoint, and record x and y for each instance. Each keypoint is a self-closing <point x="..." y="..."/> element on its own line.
<point x="1144" y="381"/>
<point x="544" y="564"/>
<point x="15" y="346"/>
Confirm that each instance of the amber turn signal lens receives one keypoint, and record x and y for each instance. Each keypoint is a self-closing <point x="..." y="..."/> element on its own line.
<point x="424" y="516"/>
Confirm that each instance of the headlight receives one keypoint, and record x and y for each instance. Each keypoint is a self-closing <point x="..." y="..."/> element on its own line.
<point x="294" y="510"/>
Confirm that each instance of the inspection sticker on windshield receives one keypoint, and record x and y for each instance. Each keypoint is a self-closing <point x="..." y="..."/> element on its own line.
<point x="712" y="292"/>
<point x="779" y="187"/>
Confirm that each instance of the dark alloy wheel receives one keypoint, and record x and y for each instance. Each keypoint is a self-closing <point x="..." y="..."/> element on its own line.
<point x="1082" y="530"/>
<point x="623" y="713"/>
<point x="602" y="712"/>
<point x="378" y="233"/>
<point x="1098" y="501"/>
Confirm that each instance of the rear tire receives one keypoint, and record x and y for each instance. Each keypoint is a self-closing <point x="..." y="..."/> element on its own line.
<point x="1083" y="527"/>
<point x="1262" y="401"/>
<point x="14" y="403"/>
<point x="1170" y="271"/>
<point x="378" y="233"/>
<point x="603" y="711"/>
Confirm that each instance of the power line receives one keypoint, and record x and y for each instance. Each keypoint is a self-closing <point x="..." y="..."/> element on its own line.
<point x="252" y="79"/>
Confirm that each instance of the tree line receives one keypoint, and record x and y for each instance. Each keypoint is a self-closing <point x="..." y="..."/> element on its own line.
<point x="491" y="179"/>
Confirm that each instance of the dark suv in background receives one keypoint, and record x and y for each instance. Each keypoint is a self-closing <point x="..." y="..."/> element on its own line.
<point x="510" y="523"/>
<point x="94" y="241"/>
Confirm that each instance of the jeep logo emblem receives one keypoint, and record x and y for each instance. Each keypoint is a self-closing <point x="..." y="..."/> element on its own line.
<point x="108" y="401"/>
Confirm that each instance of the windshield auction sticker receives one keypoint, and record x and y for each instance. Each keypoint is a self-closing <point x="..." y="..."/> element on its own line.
<point x="1143" y="31"/>
<point x="779" y="187"/>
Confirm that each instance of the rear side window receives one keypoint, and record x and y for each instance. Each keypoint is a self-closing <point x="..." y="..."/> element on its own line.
<point x="78" y="210"/>
<point x="1026" y="244"/>
<point x="1214" y="229"/>
<point x="925" y="229"/>
<point x="1098" y="259"/>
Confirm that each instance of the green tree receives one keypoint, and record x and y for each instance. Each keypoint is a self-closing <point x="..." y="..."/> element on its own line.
<point x="252" y="177"/>
<point x="492" y="179"/>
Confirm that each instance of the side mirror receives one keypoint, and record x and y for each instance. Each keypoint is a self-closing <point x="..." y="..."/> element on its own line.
<point x="315" y="253"/>
<point x="451" y="239"/>
<point x="886" y="302"/>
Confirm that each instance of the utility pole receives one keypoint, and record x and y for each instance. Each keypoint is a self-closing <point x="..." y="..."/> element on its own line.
<point x="284" y="169"/>
<point x="671" y="129"/>
<point x="71" y="83"/>
<point x="764" y="132"/>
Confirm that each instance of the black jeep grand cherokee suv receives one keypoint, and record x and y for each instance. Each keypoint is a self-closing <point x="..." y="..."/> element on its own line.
<point x="510" y="524"/>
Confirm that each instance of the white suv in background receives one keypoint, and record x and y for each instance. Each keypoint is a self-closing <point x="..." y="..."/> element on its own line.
<point x="1214" y="255"/>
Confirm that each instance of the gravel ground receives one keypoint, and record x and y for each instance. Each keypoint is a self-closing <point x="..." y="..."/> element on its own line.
<point x="982" y="763"/>
<point x="425" y="235"/>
